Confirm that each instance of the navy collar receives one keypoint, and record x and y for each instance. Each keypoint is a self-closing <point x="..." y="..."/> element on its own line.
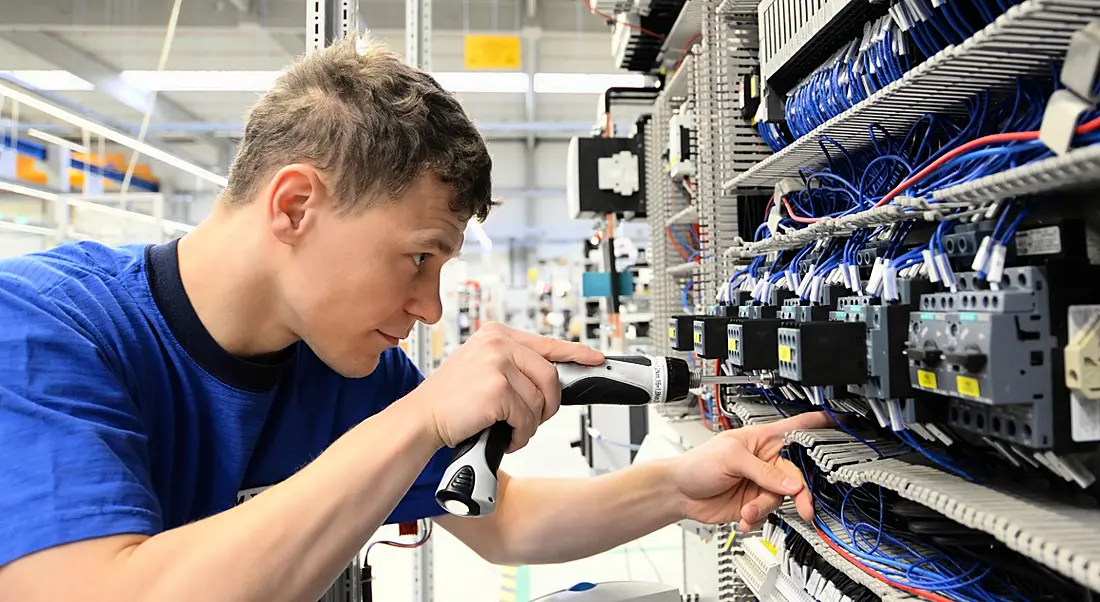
<point x="162" y="267"/>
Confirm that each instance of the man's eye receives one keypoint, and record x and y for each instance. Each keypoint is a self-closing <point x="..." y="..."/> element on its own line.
<point x="419" y="258"/>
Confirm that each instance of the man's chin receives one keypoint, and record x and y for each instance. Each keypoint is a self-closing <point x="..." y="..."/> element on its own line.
<point x="363" y="365"/>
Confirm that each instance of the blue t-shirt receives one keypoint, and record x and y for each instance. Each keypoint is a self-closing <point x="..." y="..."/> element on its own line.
<point x="119" y="413"/>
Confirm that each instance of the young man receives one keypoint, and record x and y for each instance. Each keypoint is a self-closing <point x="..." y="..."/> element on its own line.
<point x="143" y="388"/>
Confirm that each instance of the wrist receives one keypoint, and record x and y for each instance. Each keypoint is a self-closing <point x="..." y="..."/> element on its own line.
<point x="667" y="490"/>
<point x="417" y="412"/>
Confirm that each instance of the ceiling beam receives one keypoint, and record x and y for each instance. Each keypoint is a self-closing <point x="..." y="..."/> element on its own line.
<point x="553" y="16"/>
<point x="104" y="77"/>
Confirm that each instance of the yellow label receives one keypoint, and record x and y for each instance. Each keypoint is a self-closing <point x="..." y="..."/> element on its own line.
<point x="784" y="353"/>
<point x="770" y="547"/>
<point x="671" y="333"/>
<point x="492" y="52"/>
<point x="968" y="386"/>
<point x="733" y="344"/>
<point x="926" y="379"/>
<point x="698" y="337"/>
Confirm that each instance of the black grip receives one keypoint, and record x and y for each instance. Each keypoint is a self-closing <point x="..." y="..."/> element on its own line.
<point x="592" y="390"/>
<point x="500" y="436"/>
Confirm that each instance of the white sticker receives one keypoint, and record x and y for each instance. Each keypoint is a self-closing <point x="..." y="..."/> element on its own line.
<point x="853" y="277"/>
<point x="1040" y="241"/>
<point x="996" y="268"/>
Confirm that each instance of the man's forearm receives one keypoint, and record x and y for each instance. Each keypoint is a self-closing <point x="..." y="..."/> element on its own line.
<point x="558" y="520"/>
<point x="291" y="541"/>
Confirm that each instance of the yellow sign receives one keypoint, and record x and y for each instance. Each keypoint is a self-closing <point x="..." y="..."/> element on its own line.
<point x="926" y="379"/>
<point x="784" y="353"/>
<point x="967" y="386"/>
<point x="733" y="344"/>
<point x="492" y="52"/>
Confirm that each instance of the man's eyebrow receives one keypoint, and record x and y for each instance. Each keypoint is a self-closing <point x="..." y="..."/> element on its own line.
<point x="439" y="243"/>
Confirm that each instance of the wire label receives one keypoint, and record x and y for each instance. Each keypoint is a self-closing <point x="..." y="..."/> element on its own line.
<point x="926" y="379"/>
<point x="784" y="353"/>
<point x="968" y="386"/>
<point x="732" y="344"/>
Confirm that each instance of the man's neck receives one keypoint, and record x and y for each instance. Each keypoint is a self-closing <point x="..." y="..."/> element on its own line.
<point x="228" y="281"/>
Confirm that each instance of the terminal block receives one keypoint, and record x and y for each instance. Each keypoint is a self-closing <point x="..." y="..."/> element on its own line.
<point x="822" y="354"/>
<point x="709" y="336"/>
<point x="757" y="312"/>
<point x="887" y="332"/>
<point x="996" y="352"/>
<point x="681" y="331"/>
<point x="753" y="344"/>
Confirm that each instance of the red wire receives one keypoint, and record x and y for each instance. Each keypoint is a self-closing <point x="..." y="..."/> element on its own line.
<point x="684" y="49"/>
<point x="611" y="19"/>
<point x="927" y="595"/>
<point x="1084" y="128"/>
<point x="679" y="249"/>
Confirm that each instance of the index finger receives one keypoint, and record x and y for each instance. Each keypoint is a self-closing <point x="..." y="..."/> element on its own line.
<point x="802" y="422"/>
<point x="556" y="350"/>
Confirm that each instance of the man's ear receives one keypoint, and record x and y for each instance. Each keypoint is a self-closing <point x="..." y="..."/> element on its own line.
<point x="296" y="194"/>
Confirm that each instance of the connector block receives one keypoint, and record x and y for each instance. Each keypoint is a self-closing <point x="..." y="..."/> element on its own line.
<point x="681" y="331"/>
<point x="753" y="344"/>
<point x="823" y="354"/>
<point x="709" y="336"/>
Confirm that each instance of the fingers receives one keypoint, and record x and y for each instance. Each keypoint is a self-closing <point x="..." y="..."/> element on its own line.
<point x="554" y="350"/>
<point x="767" y="476"/>
<point x="755" y="512"/>
<point x="807" y="421"/>
<point x="524" y="408"/>
<point x="542" y="375"/>
<point x="804" y="499"/>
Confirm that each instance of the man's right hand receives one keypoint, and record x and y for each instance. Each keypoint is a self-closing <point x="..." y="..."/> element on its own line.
<point x="499" y="374"/>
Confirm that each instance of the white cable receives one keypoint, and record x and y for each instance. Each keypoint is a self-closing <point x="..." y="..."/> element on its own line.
<point x="165" y="50"/>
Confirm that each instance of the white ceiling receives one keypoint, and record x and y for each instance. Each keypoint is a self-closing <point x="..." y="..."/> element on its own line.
<point x="95" y="39"/>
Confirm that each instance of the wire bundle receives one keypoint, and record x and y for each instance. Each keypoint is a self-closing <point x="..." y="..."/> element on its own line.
<point x="880" y="57"/>
<point x="856" y="71"/>
<point x="885" y="545"/>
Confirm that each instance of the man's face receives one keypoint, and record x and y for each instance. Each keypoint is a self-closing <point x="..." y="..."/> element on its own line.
<point x="358" y="284"/>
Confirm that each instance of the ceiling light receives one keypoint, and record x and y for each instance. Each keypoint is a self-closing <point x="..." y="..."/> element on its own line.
<point x="54" y="80"/>
<point x="201" y="81"/>
<point x="51" y="139"/>
<point x="37" y="193"/>
<point x="112" y="135"/>
<point x="480" y="81"/>
<point x="261" y="81"/>
<point x="26" y="228"/>
<point x="585" y="83"/>
<point x="168" y="225"/>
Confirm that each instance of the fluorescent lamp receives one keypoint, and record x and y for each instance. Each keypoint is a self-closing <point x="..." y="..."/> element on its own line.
<point x="112" y="135"/>
<point x="54" y="80"/>
<point x="585" y="83"/>
<point x="167" y="225"/>
<point x="261" y="81"/>
<point x="45" y="195"/>
<point x="63" y="143"/>
<point x="25" y="228"/>
<point x="201" y="81"/>
<point x="480" y="81"/>
<point x="480" y="234"/>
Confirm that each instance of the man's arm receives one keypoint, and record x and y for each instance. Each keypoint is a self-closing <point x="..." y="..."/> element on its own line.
<point x="287" y="544"/>
<point x="542" y="521"/>
<point x="738" y="475"/>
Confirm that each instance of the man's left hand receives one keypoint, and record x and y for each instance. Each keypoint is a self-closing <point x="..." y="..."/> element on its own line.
<point x="740" y="476"/>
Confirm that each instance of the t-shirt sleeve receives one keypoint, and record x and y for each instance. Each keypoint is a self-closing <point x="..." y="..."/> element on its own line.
<point x="419" y="502"/>
<point x="73" y="459"/>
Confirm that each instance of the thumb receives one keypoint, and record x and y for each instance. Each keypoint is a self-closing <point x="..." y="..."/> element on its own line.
<point x="768" y="476"/>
